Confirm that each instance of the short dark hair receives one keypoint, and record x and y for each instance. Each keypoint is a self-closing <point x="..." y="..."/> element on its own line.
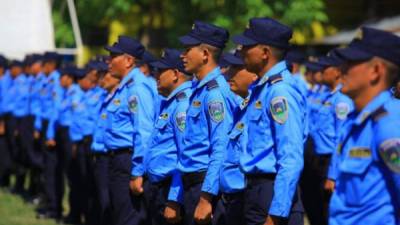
<point x="215" y="51"/>
<point x="278" y="53"/>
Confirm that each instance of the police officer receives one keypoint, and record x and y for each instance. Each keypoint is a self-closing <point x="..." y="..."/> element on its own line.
<point x="131" y="115"/>
<point x="367" y="189"/>
<point x="5" y="164"/>
<point x="98" y="151"/>
<point x="329" y="119"/>
<point x="208" y="121"/>
<point x="232" y="180"/>
<point x="273" y="159"/>
<point x="51" y="93"/>
<point x="166" y="140"/>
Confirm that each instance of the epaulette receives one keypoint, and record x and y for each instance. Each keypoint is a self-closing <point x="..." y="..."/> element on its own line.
<point x="212" y="84"/>
<point x="379" y="113"/>
<point x="181" y="96"/>
<point x="129" y="82"/>
<point x="275" y="78"/>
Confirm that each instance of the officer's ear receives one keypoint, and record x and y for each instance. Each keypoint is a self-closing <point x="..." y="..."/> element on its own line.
<point x="266" y="52"/>
<point x="377" y="71"/>
<point x="176" y="75"/>
<point x="130" y="61"/>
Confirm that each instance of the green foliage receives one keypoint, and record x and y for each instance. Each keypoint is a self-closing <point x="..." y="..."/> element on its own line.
<point x="63" y="31"/>
<point x="163" y="21"/>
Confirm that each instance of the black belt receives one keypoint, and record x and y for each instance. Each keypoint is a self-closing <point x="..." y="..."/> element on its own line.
<point x="190" y="179"/>
<point x="164" y="183"/>
<point x="119" y="151"/>
<point x="259" y="177"/>
<point x="228" y="197"/>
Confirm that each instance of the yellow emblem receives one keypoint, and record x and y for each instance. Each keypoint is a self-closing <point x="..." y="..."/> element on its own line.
<point x="258" y="104"/>
<point x="240" y="126"/>
<point x="360" y="152"/>
<point x="104" y="116"/>
<point x="117" y="102"/>
<point x="196" y="103"/>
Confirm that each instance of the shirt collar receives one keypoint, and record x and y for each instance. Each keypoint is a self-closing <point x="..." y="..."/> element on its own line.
<point x="210" y="76"/>
<point x="183" y="86"/>
<point x="131" y="75"/>
<point x="372" y="106"/>
<point x="276" y="69"/>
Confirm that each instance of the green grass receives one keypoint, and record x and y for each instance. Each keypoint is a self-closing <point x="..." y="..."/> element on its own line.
<point x="14" y="211"/>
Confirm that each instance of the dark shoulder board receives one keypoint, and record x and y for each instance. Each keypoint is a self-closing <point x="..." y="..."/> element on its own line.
<point x="129" y="82"/>
<point x="379" y="113"/>
<point x="181" y="96"/>
<point x="212" y="84"/>
<point x="275" y="78"/>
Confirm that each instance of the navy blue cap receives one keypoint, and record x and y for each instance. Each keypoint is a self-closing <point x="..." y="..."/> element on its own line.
<point x="147" y="58"/>
<point x="233" y="59"/>
<point x="331" y="59"/>
<point x="205" y="33"/>
<point x="295" y="56"/>
<point x="80" y="73"/>
<point x="313" y="66"/>
<point x="102" y="67"/>
<point x="16" y="63"/>
<point x="170" y="59"/>
<point x="3" y="61"/>
<point x="102" y="58"/>
<point x="68" y="70"/>
<point x="36" y="58"/>
<point x="51" y="56"/>
<point x="265" y="31"/>
<point x="128" y="46"/>
<point x="91" y="65"/>
<point x="370" y="42"/>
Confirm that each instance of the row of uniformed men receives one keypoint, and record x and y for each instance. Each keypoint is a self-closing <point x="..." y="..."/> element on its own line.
<point x="210" y="155"/>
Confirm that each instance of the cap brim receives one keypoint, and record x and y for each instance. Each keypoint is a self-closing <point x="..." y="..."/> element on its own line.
<point x="241" y="39"/>
<point x="353" y="54"/>
<point x="113" y="49"/>
<point x="233" y="60"/>
<point x="160" y="65"/>
<point x="189" y="40"/>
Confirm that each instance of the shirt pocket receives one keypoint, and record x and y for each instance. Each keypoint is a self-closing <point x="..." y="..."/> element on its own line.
<point x="354" y="178"/>
<point x="234" y="146"/>
<point x="194" y="112"/>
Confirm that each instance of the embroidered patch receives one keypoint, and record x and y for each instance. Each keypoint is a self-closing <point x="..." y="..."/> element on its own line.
<point x="216" y="111"/>
<point x="132" y="103"/>
<point x="279" y="109"/>
<point x="342" y="109"/>
<point x="117" y="102"/>
<point x="196" y="104"/>
<point x="240" y="126"/>
<point x="164" y="116"/>
<point x="104" y="116"/>
<point x="258" y="104"/>
<point x="360" y="152"/>
<point x="390" y="153"/>
<point x="180" y="120"/>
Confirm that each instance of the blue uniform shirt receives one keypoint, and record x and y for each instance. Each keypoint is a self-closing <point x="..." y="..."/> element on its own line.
<point x="98" y="135"/>
<point x="167" y="140"/>
<point x="131" y="116"/>
<point x="78" y="113"/>
<point x="301" y="84"/>
<point x="232" y="178"/>
<point x="10" y="89"/>
<point x="277" y="127"/>
<point x="209" y="118"/>
<point x="50" y="95"/>
<point x="35" y="102"/>
<point x="91" y="102"/>
<point x="329" y="120"/>
<point x="21" y="97"/>
<point x="367" y="188"/>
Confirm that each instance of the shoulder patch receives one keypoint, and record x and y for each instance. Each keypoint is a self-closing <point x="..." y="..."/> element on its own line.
<point x="342" y="109"/>
<point x="389" y="150"/>
<point x="180" y="120"/>
<point x="132" y="103"/>
<point x="212" y="84"/>
<point x="216" y="111"/>
<point x="279" y="109"/>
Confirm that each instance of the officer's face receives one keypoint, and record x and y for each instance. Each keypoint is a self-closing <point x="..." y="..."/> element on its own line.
<point x="317" y="77"/>
<point x="15" y="71"/>
<point x="36" y="68"/>
<point x="1" y="71"/>
<point x="240" y="79"/>
<point x="166" y="80"/>
<point x="254" y="58"/>
<point x="49" y="67"/>
<point x="85" y="83"/>
<point x="119" y="65"/>
<point x="193" y="59"/>
<point x="109" y="82"/>
<point x="355" y="78"/>
<point x="330" y="75"/>
<point x="145" y="69"/>
<point x="66" y="81"/>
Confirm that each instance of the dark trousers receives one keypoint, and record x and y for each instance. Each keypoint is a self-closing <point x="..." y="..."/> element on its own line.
<point x="257" y="200"/>
<point x="5" y="159"/>
<point x="315" y="198"/>
<point x="232" y="205"/>
<point x="54" y="171"/>
<point x="157" y="200"/>
<point x="125" y="207"/>
<point x="101" y="178"/>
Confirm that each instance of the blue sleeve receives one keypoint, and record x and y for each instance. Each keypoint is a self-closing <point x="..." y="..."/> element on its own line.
<point x="38" y="123"/>
<point x="388" y="145"/>
<point x="143" y="115"/>
<point x="333" y="166"/>
<point x="287" y="131"/>
<point x="78" y="110"/>
<point x="219" y="123"/>
<point x="57" y="99"/>
<point x="176" y="190"/>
